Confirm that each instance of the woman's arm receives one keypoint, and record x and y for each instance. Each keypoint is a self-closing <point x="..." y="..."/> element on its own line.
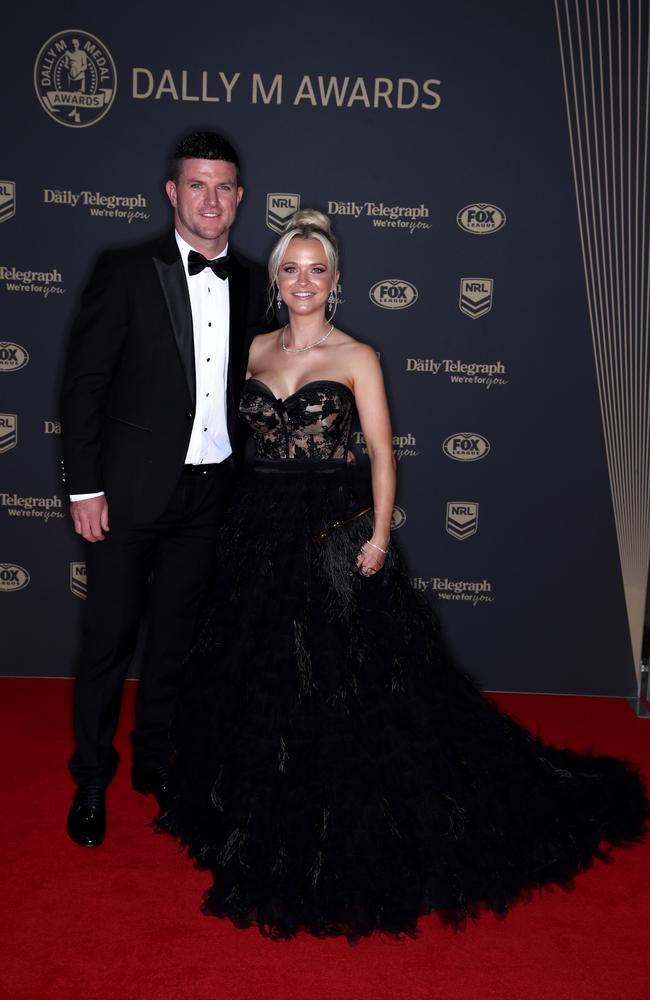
<point x="370" y="394"/>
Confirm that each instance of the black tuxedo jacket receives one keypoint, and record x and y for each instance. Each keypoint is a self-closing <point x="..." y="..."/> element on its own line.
<point x="129" y="382"/>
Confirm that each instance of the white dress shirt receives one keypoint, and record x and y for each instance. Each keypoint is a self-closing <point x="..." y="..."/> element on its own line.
<point x="210" y="305"/>
<point x="210" y="302"/>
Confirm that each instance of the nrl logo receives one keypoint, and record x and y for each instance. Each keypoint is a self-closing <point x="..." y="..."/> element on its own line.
<point x="475" y="296"/>
<point x="279" y="209"/>
<point x="7" y="200"/>
<point x="462" y="519"/>
<point x="8" y="431"/>
<point x="78" y="579"/>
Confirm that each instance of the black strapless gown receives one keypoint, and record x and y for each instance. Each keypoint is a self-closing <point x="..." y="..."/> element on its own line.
<point x="335" y="772"/>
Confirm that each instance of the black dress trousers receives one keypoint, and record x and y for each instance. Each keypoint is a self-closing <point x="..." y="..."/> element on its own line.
<point x="161" y="568"/>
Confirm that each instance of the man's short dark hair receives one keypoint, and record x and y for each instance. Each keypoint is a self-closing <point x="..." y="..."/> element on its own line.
<point x="202" y="146"/>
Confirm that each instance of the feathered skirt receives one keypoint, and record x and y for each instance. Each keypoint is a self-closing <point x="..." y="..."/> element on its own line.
<point x="335" y="771"/>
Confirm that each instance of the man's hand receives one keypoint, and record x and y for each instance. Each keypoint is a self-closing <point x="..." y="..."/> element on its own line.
<point x="90" y="518"/>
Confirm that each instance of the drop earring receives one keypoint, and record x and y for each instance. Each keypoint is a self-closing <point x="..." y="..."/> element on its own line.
<point x="278" y="300"/>
<point x="331" y="301"/>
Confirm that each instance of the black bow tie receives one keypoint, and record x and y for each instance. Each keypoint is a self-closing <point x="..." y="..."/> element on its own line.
<point x="220" y="265"/>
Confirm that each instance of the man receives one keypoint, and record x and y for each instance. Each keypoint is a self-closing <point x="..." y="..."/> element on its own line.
<point x="156" y="356"/>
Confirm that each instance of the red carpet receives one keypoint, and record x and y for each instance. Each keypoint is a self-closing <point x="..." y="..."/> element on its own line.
<point x="123" y="921"/>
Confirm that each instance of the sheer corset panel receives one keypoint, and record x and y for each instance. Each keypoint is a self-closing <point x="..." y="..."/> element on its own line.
<point x="313" y="424"/>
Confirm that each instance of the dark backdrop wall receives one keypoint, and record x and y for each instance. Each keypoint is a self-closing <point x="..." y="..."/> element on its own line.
<point x="445" y="142"/>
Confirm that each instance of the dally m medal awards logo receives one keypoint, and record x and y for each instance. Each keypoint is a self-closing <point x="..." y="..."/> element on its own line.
<point x="398" y="518"/>
<point x="75" y="78"/>
<point x="481" y="219"/>
<point x="279" y="209"/>
<point x="7" y="200"/>
<point x="393" y="293"/>
<point x="462" y="519"/>
<point x="475" y="296"/>
<point x="8" y="432"/>
<point x="78" y="579"/>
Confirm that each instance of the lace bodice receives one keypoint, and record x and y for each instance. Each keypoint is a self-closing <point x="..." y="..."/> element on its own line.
<point x="312" y="424"/>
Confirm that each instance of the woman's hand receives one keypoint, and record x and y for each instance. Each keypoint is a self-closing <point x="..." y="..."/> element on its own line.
<point x="371" y="557"/>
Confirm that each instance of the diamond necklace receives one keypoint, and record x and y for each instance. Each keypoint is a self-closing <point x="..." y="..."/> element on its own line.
<point x="301" y="350"/>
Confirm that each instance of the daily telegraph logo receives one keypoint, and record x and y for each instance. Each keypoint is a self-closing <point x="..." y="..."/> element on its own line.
<point x="12" y="578"/>
<point x="13" y="357"/>
<point x="8" y="432"/>
<point x="480" y="219"/>
<point x="485" y="374"/>
<point x="7" y="200"/>
<point x="78" y="579"/>
<point x="279" y="209"/>
<point x="398" y="519"/>
<point x="404" y="445"/>
<point x="462" y="519"/>
<point x="409" y="218"/>
<point x="127" y="207"/>
<point x="475" y="296"/>
<point x="472" y="592"/>
<point x="466" y="447"/>
<point x="45" y="283"/>
<point x="38" y="508"/>
<point x="75" y="78"/>
<point x="393" y="293"/>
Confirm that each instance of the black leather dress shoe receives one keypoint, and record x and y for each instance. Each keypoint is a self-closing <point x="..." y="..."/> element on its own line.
<point x="156" y="781"/>
<point x="87" y="816"/>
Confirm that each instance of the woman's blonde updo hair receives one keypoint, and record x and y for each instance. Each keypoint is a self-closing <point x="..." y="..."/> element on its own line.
<point x="306" y="224"/>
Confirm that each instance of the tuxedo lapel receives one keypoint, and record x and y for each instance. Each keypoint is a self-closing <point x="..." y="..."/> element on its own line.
<point x="171" y="274"/>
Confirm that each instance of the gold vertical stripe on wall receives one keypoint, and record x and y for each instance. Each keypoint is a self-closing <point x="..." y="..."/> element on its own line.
<point x="605" y="56"/>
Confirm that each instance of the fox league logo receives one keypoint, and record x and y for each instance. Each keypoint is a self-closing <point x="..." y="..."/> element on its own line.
<point x="8" y="431"/>
<point x="462" y="519"/>
<point x="7" y="200"/>
<point x="480" y="219"/>
<point x="75" y="78"/>
<point x="78" y="579"/>
<point x="393" y="293"/>
<point x="475" y="296"/>
<point x="279" y="209"/>
<point x="12" y="577"/>
<point x="13" y="357"/>
<point x="466" y="446"/>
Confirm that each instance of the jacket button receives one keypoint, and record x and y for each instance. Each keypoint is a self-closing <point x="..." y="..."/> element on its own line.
<point x="189" y="414"/>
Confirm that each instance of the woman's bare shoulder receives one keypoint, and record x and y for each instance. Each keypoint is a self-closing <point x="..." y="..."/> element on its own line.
<point x="358" y="353"/>
<point x="262" y="342"/>
<point x="354" y="346"/>
<point x="264" y="338"/>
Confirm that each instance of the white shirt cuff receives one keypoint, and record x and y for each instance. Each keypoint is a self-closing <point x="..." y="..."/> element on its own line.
<point x="84" y="496"/>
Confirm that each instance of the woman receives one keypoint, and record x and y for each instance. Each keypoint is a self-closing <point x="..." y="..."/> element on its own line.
<point x="335" y="772"/>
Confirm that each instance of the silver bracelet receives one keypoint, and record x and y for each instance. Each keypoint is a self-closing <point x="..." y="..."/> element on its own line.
<point x="385" y="551"/>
